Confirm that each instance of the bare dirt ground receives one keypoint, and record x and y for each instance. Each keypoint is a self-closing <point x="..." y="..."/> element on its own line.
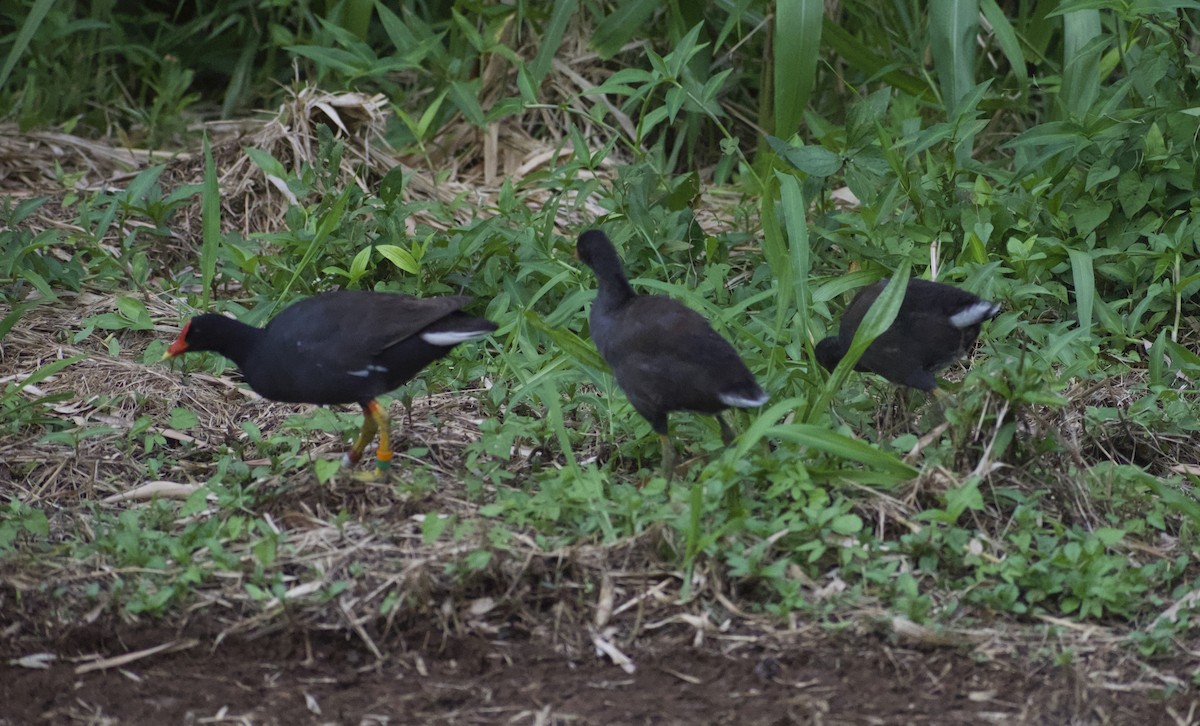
<point x="296" y="677"/>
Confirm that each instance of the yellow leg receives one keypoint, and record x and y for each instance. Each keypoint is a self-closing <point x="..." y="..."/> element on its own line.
<point x="369" y="427"/>
<point x="383" y="456"/>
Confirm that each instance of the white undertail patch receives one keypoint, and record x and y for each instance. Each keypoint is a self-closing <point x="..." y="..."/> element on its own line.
<point x="453" y="337"/>
<point x="738" y="401"/>
<point x="974" y="314"/>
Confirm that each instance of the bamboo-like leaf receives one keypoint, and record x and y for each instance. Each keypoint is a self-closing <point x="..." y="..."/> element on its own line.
<point x="774" y="248"/>
<point x="952" y="28"/>
<point x="797" y="47"/>
<point x="1170" y="494"/>
<point x="615" y="30"/>
<point x="879" y="318"/>
<point x="398" y="31"/>
<point x="1085" y="286"/>
<point x="568" y="342"/>
<point x="1082" y="44"/>
<point x="356" y="17"/>
<point x="143" y="183"/>
<point x="795" y="219"/>
<point x="953" y="25"/>
<point x="466" y="97"/>
<point x="552" y="38"/>
<point x="890" y="467"/>
<point x="886" y="467"/>
<point x="866" y="60"/>
<point x="552" y="400"/>
<point x="328" y="222"/>
<point x="13" y="316"/>
<point x="399" y="257"/>
<point x="1006" y="38"/>
<point x="37" y="13"/>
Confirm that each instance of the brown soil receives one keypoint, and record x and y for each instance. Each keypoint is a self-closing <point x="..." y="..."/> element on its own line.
<point x="425" y="677"/>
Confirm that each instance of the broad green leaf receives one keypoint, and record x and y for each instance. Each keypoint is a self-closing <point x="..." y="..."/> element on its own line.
<point x="813" y="160"/>
<point x="465" y="96"/>
<point x="183" y="419"/>
<point x="399" y="257"/>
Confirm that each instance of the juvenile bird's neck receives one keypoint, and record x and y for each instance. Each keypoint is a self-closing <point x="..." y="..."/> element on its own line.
<point x="614" y="289"/>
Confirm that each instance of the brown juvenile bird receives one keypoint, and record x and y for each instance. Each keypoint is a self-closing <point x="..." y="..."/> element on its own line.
<point x="664" y="355"/>
<point x="936" y="324"/>
<point x="339" y="347"/>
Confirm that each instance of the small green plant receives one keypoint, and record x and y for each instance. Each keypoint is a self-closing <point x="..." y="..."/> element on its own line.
<point x="18" y="522"/>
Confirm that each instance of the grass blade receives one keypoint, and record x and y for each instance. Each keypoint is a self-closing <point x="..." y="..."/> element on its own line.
<point x="11" y="319"/>
<point x="551" y="38"/>
<point x="952" y="28"/>
<point x="210" y="223"/>
<point x="39" y="375"/>
<point x="1085" y="286"/>
<point x="795" y="217"/>
<point x="1006" y="38"/>
<point x="878" y="319"/>
<point x="863" y="58"/>
<point x="797" y="47"/>
<point x="1081" y="51"/>
<point x="33" y="20"/>
<point x="953" y="25"/>
<point x="615" y="30"/>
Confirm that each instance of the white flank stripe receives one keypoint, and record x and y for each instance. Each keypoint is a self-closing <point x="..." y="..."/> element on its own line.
<point x="360" y="374"/>
<point x="732" y="399"/>
<point x="453" y="337"/>
<point x="977" y="313"/>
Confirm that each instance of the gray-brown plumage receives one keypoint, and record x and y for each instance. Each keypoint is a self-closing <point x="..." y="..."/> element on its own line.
<point x="664" y="355"/>
<point x="936" y="324"/>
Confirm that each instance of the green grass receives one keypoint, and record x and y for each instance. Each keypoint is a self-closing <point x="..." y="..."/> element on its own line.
<point x="1059" y="484"/>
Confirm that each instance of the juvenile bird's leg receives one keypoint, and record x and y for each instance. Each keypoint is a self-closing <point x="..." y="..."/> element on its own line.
<point x="726" y="432"/>
<point x="668" y="457"/>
